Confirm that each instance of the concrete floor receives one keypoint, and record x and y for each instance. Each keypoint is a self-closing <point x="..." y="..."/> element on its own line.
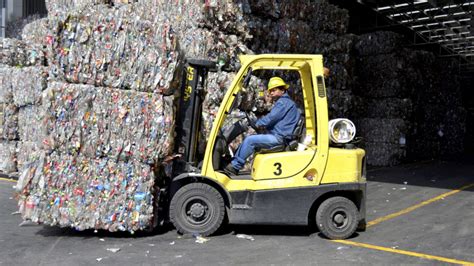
<point x="431" y="208"/>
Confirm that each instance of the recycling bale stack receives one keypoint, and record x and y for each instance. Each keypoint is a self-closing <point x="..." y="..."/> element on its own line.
<point x="97" y="167"/>
<point x="106" y="120"/>
<point x="22" y="80"/>
<point x="440" y="119"/>
<point x="408" y="103"/>
<point x="382" y="102"/>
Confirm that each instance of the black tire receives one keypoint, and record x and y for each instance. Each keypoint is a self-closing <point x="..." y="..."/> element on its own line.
<point x="197" y="208"/>
<point x="337" y="218"/>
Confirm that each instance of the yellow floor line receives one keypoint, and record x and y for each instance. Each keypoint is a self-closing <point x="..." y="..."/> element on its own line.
<point x="9" y="180"/>
<point x="404" y="252"/>
<point x="414" y="207"/>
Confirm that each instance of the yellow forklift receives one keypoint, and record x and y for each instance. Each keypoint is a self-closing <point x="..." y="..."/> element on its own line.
<point x="322" y="181"/>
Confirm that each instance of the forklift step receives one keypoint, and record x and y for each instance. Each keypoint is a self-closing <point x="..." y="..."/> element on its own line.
<point x="241" y="177"/>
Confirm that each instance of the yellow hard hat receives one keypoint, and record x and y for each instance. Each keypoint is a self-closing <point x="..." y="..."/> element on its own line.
<point x="277" y="82"/>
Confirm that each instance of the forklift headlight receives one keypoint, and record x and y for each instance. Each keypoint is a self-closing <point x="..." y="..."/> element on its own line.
<point x="341" y="130"/>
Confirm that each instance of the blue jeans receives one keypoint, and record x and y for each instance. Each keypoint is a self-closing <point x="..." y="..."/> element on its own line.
<point x="251" y="144"/>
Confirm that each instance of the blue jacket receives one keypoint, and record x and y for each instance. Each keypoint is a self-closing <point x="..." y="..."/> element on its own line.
<point x="282" y="119"/>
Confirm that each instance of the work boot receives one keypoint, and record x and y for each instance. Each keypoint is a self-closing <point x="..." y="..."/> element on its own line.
<point x="230" y="170"/>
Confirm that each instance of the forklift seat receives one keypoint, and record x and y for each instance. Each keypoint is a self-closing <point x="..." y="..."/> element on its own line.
<point x="292" y="143"/>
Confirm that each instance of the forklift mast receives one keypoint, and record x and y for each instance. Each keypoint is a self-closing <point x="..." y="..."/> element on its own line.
<point x="189" y="113"/>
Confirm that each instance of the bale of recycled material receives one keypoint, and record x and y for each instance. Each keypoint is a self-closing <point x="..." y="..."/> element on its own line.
<point x="339" y="78"/>
<point x="321" y="15"/>
<point x="384" y="153"/>
<point x="27" y="84"/>
<point x="9" y="122"/>
<point x="68" y="191"/>
<point x="36" y="31"/>
<point x="116" y="47"/>
<point x="383" y="108"/>
<point x="384" y="130"/>
<point x="383" y="76"/>
<point x="54" y="6"/>
<point x="26" y="153"/>
<point x="8" y="156"/>
<point x="105" y="122"/>
<point x="6" y="93"/>
<point x="339" y="102"/>
<point x="30" y="123"/>
<point x="378" y="42"/>
<point x="14" y="52"/>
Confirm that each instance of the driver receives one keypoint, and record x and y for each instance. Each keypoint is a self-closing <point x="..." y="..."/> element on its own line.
<point x="278" y="126"/>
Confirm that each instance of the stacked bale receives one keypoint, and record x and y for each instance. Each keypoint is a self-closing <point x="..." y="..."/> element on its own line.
<point x="104" y="138"/>
<point x="439" y="125"/>
<point x="382" y="106"/>
<point x="20" y="93"/>
<point x="14" y="52"/>
<point x="412" y="99"/>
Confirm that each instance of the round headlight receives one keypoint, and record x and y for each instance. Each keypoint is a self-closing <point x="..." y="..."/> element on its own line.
<point x="341" y="130"/>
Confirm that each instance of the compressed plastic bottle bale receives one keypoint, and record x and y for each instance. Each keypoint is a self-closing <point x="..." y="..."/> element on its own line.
<point x="383" y="76"/>
<point x="383" y="130"/>
<point x="217" y="85"/>
<point x="383" y="108"/>
<point x="27" y="151"/>
<point x="339" y="102"/>
<point x="85" y="193"/>
<point x="6" y="92"/>
<point x="340" y="77"/>
<point x="36" y="31"/>
<point x="378" y="42"/>
<point x="8" y="156"/>
<point x="30" y="124"/>
<point x="28" y="84"/>
<point x="230" y="17"/>
<point x="9" y="126"/>
<point x="384" y="154"/>
<point x="109" y="122"/>
<point x="63" y="109"/>
<point x="324" y="17"/>
<point x="116" y="47"/>
<point x="55" y="6"/>
<point x="14" y="52"/>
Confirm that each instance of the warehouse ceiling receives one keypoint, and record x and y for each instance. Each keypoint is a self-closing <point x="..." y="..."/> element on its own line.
<point x="448" y="24"/>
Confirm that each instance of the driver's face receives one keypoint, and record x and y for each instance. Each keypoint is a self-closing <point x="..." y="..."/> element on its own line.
<point x="276" y="93"/>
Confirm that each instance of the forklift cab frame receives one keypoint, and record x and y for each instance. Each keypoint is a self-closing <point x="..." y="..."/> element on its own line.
<point x="282" y="169"/>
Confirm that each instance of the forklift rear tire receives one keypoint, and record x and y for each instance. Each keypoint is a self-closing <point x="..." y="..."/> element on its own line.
<point x="337" y="218"/>
<point x="197" y="208"/>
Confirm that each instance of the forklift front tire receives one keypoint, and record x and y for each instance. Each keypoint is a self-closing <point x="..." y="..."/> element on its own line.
<point x="197" y="208"/>
<point x="337" y="218"/>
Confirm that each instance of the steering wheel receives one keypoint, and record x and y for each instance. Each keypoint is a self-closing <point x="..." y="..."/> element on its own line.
<point x="252" y="119"/>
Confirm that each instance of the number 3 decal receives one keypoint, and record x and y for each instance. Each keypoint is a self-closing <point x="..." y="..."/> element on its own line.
<point x="278" y="168"/>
